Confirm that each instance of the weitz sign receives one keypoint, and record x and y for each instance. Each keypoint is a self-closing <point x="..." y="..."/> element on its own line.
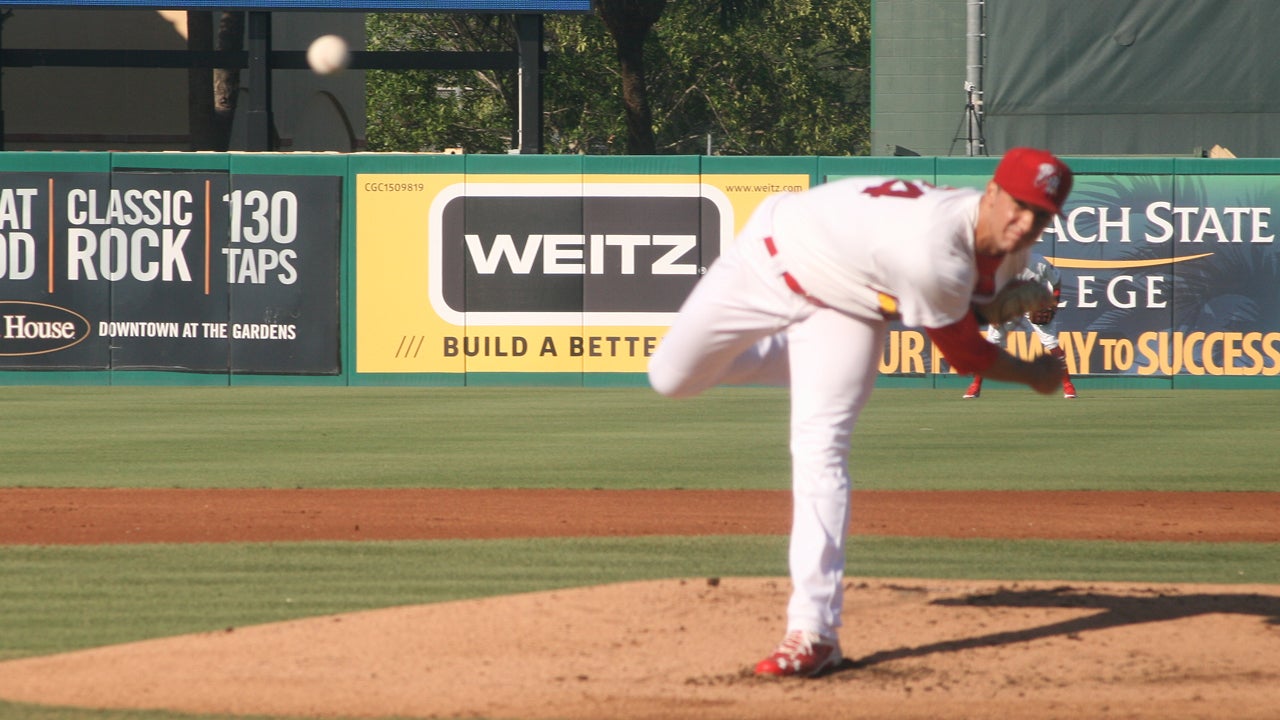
<point x="527" y="272"/>
<point x="560" y="254"/>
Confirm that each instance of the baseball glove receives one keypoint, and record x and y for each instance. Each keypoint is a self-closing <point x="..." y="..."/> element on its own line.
<point x="1015" y="299"/>
<point x="1043" y="316"/>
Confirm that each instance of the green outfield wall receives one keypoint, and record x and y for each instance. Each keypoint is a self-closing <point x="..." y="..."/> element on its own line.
<point x="408" y="269"/>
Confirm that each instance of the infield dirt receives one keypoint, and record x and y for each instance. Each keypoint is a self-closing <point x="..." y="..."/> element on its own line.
<point x="682" y="648"/>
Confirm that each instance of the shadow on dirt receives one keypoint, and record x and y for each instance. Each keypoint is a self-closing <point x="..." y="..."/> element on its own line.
<point x="1112" y="611"/>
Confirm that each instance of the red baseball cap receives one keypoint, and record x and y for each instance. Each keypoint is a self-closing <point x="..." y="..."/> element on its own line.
<point x="1035" y="177"/>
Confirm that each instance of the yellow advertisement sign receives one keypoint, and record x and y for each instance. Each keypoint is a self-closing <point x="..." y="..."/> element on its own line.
<point x="535" y="273"/>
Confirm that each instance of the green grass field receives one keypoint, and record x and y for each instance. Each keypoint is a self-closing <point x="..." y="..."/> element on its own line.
<point x="55" y="599"/>
<point x="625" y="438"/>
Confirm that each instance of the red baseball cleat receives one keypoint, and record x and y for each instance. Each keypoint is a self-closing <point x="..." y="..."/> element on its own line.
<point x="1068" y="390"/>
<point x="801" y="653"/>
<point x="975" y="388"/>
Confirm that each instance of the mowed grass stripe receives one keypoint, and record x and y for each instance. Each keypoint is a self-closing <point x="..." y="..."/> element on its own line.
<point x="624" y="438"/>
<point x="55" y="599"/>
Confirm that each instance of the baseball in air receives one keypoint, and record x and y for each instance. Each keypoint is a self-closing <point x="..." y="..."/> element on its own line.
<point x="328" y="54"/>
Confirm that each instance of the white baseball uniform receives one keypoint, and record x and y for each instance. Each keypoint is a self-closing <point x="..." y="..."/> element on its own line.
<point x="1038" y="270"/>
<point x="804" y="298"/>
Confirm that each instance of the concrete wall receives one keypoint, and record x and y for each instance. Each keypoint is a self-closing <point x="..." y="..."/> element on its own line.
<point x="918" y="74"/>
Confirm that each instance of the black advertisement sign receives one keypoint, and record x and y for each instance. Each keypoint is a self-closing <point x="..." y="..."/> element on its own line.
<point x="170" y="270"/>
<point x="573" y="254"/>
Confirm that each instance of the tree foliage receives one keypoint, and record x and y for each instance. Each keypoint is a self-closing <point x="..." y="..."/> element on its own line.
<point x="629" y="22"/>
<point x="753" y="77"/>
<point x="421" y="110"/>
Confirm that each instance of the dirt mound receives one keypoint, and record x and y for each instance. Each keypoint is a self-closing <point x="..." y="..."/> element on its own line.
<point x="682" y="649"/>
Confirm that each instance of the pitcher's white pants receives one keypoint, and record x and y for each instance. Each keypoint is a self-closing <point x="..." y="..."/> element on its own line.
<point x="743" y="325"/>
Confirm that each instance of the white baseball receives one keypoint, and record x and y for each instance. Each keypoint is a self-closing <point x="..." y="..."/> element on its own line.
<point x="328" y="54"/>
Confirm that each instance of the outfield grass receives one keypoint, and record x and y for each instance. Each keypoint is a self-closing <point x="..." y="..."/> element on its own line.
<point x="624" y="438"/>
<point x="63" y="598"/>
<point x="54" y="599"/>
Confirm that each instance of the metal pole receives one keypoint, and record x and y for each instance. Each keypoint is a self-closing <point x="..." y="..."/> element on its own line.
<point x="529" y="40"/>
<point x="258" y="116"/>
<point x="973" y="76"/>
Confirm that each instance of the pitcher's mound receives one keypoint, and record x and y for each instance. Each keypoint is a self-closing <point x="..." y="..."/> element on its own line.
<point x="684" y="648"/>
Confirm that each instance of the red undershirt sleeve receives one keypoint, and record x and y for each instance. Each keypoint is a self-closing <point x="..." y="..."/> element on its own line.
<point x="964" y="346"/>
